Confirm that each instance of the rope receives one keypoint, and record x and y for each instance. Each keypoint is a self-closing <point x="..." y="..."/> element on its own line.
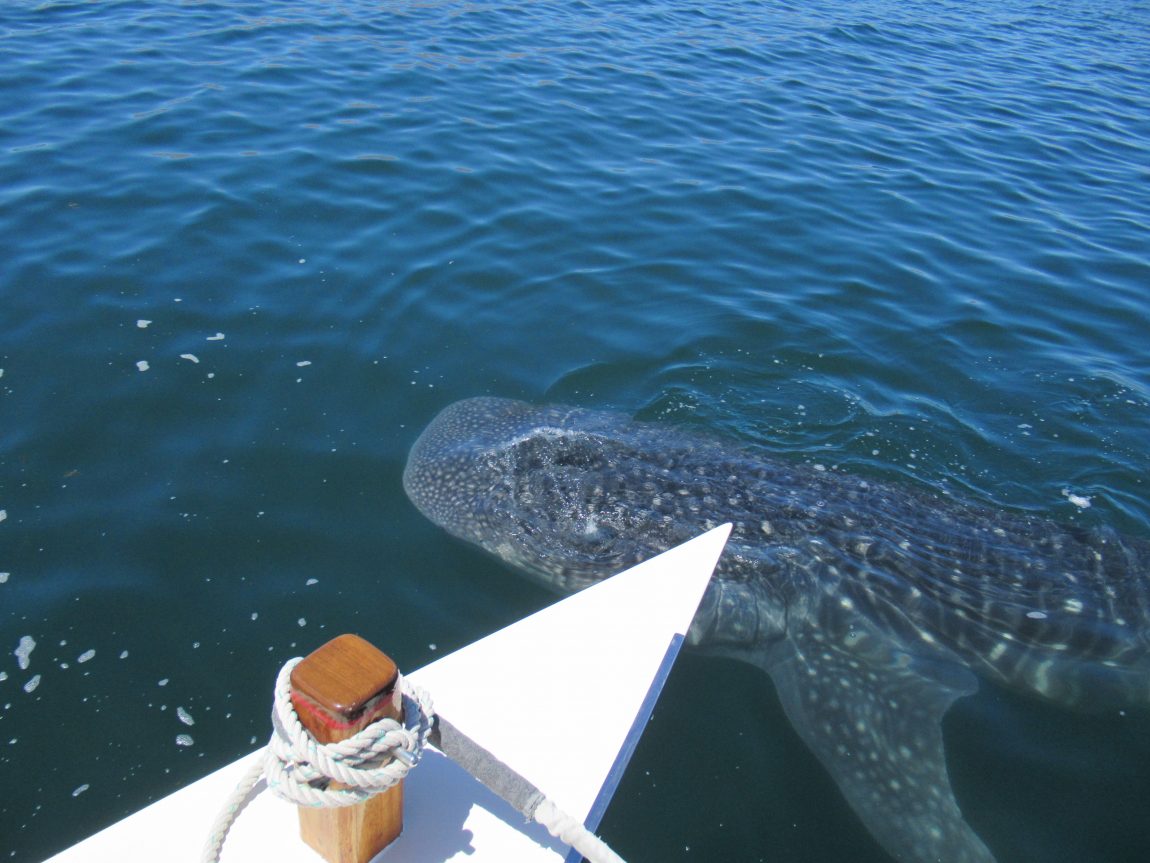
<point x="300" y="770"/>
<point x="520" y="792"/>
<point x="567" y="829"/>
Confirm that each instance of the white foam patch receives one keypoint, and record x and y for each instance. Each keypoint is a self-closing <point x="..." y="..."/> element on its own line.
<point x="24" y="651"/>
<point x="1080" y="501"/>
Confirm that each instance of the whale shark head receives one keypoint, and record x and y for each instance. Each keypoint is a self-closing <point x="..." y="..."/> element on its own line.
<point x="533" y="486"/>
<point x="570" y="496"/>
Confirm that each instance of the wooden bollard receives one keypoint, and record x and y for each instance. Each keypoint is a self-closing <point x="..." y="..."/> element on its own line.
<point x="337" y="691"/>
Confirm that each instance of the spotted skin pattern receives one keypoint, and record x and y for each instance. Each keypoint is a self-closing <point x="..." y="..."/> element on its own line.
<point x="872" y="607"/>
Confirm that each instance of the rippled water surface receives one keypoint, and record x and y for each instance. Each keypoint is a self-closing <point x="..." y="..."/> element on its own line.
<point x="251" y="248"/>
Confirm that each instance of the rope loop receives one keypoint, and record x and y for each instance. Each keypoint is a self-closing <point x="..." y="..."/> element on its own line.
<point x="300" y="770"/>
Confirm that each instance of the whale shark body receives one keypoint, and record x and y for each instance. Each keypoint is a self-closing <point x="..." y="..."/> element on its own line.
<point x="872" y="607"/>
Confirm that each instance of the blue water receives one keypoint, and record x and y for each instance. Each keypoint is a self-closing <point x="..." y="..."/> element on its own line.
<point x="908" y="240"/>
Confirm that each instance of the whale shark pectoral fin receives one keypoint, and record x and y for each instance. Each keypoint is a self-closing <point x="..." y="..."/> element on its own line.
<point x="872" y="713"/>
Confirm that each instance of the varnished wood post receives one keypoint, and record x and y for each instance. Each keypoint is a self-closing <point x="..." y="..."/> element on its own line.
<point x="338" y="690"/>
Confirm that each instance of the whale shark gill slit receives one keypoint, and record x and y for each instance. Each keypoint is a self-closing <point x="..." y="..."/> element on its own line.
<point x="871" y="607"/>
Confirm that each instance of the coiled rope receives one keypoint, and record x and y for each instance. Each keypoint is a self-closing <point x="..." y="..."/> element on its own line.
<point x="298" y="769"/>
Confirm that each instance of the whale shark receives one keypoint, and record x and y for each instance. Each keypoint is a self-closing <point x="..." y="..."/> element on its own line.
<point x="871" y="606"/>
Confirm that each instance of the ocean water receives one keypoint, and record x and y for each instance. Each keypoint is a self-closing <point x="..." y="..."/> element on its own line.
<point x="251" y="248"/>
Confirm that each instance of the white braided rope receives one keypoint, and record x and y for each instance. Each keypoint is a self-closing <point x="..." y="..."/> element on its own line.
<point x="567" y="829"/>
<point x="300" y="770"/>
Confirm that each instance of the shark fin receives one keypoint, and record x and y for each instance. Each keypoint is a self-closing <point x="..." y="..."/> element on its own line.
<point x="872" y="713"/>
